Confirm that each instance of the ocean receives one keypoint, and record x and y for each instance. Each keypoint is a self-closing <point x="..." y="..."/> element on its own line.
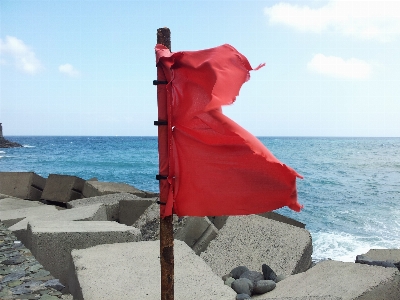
<point x="350" y="190"/>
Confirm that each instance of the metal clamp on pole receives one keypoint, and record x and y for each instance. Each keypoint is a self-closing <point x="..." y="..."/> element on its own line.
<point x="157" y="82"/>
<point x="158" y="123"/>
<point x="160" y="177"/>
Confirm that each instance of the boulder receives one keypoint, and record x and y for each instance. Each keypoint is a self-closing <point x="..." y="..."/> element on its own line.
<point x="133" y="272"/>
<point x="24" y="185"/>
<point x="110" y="201"/>
<point x="62" y="188"/>
<point x="196" y="232"/>
<point x="253" y="240"/>
<point x="52" y="242"/>
<point x="339" y="280"/>
<point x="99" y="188"/>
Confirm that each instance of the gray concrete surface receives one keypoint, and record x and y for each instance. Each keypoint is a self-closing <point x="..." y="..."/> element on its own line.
<point x="63" y="188"/>
<point x="253" y="240"/>
<point x="17" y="203"/>
<point x="11" y="217"/>
<point x="131" y="210"/>
<point x="346" y="281"/>
<point x="110" y="201"/>
<point x="278" y="217"/>
<point x="2" y="196"/>
<point x="196" y="232"/>
<point x="133" y="272"/>
<point x="99" y="188"/>
<point x="52" y="242"/>
<point x="94" y="212"/>
<point x="220" y="221"/>
<point x="384" y="254"/>
<point x="24" y="185"/>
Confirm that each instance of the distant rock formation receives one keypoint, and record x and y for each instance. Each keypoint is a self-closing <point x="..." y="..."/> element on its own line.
<point x="6" y="143"/>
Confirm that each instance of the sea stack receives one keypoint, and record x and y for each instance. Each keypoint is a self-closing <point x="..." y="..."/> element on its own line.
<point x="6" y="143"/>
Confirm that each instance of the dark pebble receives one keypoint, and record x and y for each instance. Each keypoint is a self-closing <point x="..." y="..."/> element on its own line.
<point x="269" y="274"/>
<point x="242" y="286"/>
<point x="264" y="286"/>
<point x="242" y="296"/>
<point x="253" y="276"/>
<point x="236" y="272"/>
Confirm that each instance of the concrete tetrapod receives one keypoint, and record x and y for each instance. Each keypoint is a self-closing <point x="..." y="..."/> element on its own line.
<point x="133" y="272"/>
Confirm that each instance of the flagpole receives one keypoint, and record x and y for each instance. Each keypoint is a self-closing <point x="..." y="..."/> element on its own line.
<point x="166" y="224"/>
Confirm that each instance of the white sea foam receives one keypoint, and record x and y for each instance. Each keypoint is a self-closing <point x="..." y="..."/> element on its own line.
<point x="28" y="146"/>
<point x="341" y="246"/>
<point x="2" y="152"/>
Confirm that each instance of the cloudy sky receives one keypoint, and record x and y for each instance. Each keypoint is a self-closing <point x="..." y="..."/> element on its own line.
<point x="86" y="67"/>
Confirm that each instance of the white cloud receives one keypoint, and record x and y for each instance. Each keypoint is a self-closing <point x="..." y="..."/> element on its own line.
<point x="372" y="19"/>
<point x="338" y="67"/>
<point x="69" y="70"/>
<point x="25" y="58"/>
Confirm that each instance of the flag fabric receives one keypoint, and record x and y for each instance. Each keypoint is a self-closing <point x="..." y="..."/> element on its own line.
<point x="215" y="166"/>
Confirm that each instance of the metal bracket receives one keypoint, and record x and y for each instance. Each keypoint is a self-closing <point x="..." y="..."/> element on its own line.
<point x="157" y="82"/>
<point x="158" y="123"/>
<point x="160" y="177"/>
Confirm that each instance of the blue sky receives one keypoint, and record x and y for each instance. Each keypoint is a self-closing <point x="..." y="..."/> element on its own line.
<point x="86" y="67"/>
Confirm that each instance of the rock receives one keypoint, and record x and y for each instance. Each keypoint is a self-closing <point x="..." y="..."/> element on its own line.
<point x="55" y="284"/>
<point x="13" y="261"/>
<point x="269" y="274"/>
<point x="264" y="286"/>
<point x="236" y="272"/>
<point x="242" y="286"/>
<point x="6" y="143"/>
<point x="253" y="276"/>
<point x="229" y="281"/>
<point x="13" y="276"/>
<point x="280" y="278"/>
<point x="225" y="277"/>
<point x="242" y="296"/>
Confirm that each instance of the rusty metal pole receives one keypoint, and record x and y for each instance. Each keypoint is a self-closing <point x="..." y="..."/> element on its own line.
<point x="166" y="224"/>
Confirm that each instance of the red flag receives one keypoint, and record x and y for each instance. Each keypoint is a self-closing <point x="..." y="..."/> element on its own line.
<point x="215" y="166"/>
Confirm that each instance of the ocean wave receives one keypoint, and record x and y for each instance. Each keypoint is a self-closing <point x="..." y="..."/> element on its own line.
<point x="28" y="146"/>
<point x="2" y="152"/>
<point x="341" y="246"/>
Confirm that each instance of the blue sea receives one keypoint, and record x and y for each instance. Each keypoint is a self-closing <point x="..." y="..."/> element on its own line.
<point x="350" y="190"/>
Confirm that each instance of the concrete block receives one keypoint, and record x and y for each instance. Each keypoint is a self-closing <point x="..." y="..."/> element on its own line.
<point x="278" y="217"/>
<point x="196" y="232"/>
<point x="204" y="240"/>
<point x="131" y="210"/>
<point x="149" y="223"/>
<point x="24" y="185"/>
<point x="16" y="203"/>
<point x="253" y="240"/>
<point x="110" y="201"/>
<point x="94" y="212"/>
<point x="346" y="281"/>
<point x="219" y="221"/>
<point x="52" y="242"/>
<point x="2" y="196"/>
<point x="14" y="216"/>
<point x="98" y="188"/>
<point x="133" y="272"/>
<point x="63" y="188"/>
<point x="191" y="229"/>
<point x="384" y="255"/>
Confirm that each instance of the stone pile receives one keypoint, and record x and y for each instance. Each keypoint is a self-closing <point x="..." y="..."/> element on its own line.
<point x="247" y="283"/>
